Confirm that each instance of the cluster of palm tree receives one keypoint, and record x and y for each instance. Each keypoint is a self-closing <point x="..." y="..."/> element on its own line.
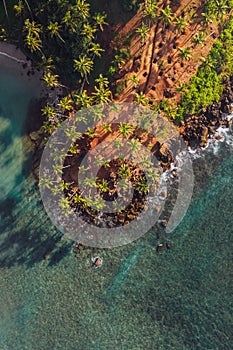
<point x="61" y="29"/>
<point x="33" y="35"/>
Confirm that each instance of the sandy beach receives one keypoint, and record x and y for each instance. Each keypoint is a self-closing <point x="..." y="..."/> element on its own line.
<point x="12" y="60"/>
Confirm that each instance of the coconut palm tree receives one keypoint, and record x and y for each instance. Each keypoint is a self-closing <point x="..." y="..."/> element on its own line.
<point x="74" y="150"/>
<point x="134" y="80"/>
<point x="184" y="53"/>
<point x="88" y="31"/>
<point x="90" y="181"/>
<point x="206" y="18"/>
<point x="69" y="22"/>
<point x="142" y="186"/>
<point x="49" y="127"/>
<point x="103" y="186"/>
<point x="49" y="112"/>
<point x="32" y="28"/>
<point x="119" y="61"/>
<point x="141" y="98"/>
<point x="82" y="8"/>
<point x="99" y="18"/>
<point x="107" y="127"/>
<point x="34" y="43"/>
<point x="91" y="132"/>
<point x="51" y="79"/>
<point x="143" y="31"/>
<point x="83" y="99"/>
<point x="73" y="134"/>
<point x="96" y="50"/>
<point x="102" y="81"/>
<point x="134" y="145"/>
<point x="180" y="24"/>
<point x="124" y="171"/>
<point x="84" y="65"/>
<point x="125" y="129"/>
<point x="19" y="8"/>
<point x="65" y="206"/>
<point x="166" y="16"/>
<point x="101" y="95"/>
<point x="54" y="28"/>
<point x="66" y="104"/>
<point x="149" y="10"/>
<point x="199" y="39"/>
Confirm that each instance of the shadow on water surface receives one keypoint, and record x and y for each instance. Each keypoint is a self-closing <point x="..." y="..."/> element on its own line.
<point x="32" y="243"/>
<point x="26" y="234"/>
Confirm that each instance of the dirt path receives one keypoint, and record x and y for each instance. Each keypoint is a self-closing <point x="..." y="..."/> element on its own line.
<point x="157" y="64"/>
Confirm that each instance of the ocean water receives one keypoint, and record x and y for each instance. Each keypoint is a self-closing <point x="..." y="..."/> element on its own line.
<point x="178" y="299"/>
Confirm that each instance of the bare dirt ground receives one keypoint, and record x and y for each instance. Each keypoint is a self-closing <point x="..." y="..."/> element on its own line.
<point x="157" y="63"/>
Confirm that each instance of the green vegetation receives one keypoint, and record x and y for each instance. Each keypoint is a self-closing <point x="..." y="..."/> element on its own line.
<point x="63" y="32"/>
<point x="207" y="86"/>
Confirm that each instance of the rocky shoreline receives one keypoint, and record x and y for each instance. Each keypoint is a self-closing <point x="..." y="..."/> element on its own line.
<point x="196" y="130"/>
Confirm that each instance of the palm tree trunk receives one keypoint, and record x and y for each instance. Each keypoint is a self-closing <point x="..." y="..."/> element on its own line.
<point x="4" y="3"/>
<point x="29" y="8"/>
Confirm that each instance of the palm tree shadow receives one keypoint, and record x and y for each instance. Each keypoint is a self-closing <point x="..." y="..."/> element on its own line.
<point x="31" y="244"/>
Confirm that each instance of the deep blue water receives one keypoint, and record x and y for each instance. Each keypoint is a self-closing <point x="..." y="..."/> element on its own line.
<point x="178" y="299"/>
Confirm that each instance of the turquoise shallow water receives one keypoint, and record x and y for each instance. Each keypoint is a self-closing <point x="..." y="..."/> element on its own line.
<point x="177" y="299"/>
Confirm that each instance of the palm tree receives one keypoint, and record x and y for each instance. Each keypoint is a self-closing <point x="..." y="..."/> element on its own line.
<point x="107" y="127"/>
<point x="34" y="43"/>
<point x="83" y="99"/>
<point x="54" y="28"/>
<point x="141" y="98"/>
<point x="82" y="8"/>
<point x="103" y="186"/>
<point x="134" y="144"/>
<point x="181" y="87"/>
<point x="149" y="10"/>
<point x="88" y="31"/>
<point x="180" y="24"/>
<point x="206" y="18"/>
<point x="66" y="104"/>
<point x="90" y="181"/>
<point x="143" y="31"/>
<point x="65" y="206"/>
<point x="184" y="54"/>
<point x="32" y="28"/>
<point x="49" y="112"/>
<point x="119" y="60"/>
<point x="124" y="171"/>
<point x="49" y="127"/>
<point x="102" y="81"/>
<point x="69" y="22"/>
<point x="51" y="79"/>
<point x="74" y="150"/>
<point x="73" y="134"/>
<point x="125" y="129"/>
<point x="84" y="65"/>
<point x="99" y="18"/>
<point x="91" y="132"/>
<point x="142" y="186"/>
<point x="198" y="38"/>
<point x="19" y="8"/>
<point x="96" y="49"/>
<point x="101" y="95"/>
<point x="166" y="16"/>
<point x="134" y="80"/>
